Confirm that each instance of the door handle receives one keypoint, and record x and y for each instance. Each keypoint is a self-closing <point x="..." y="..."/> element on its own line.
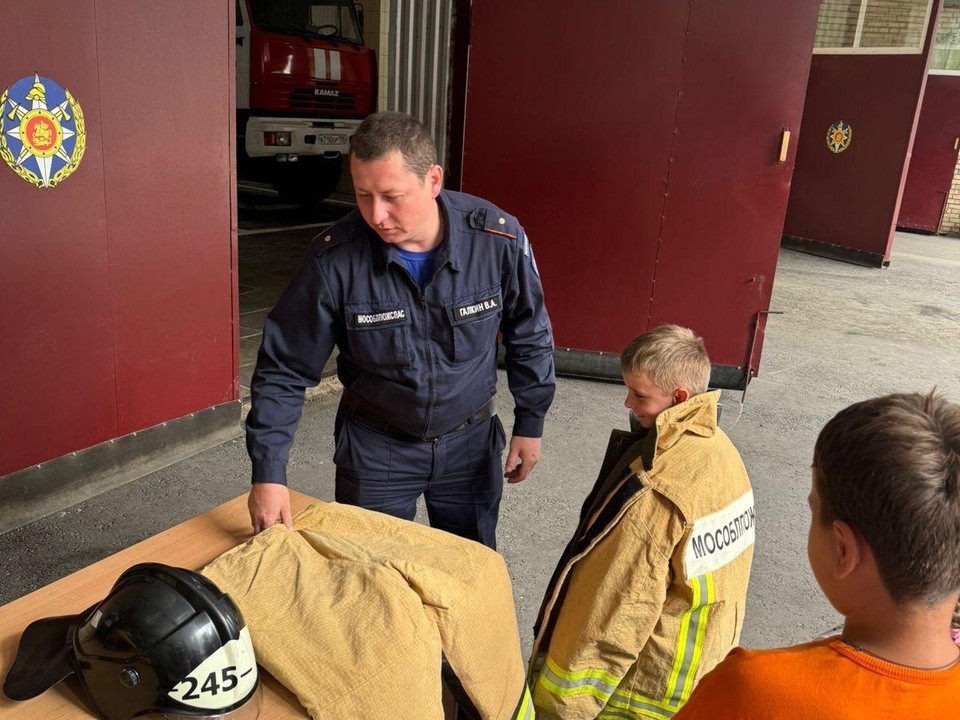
<point x="784" y="145"/>
<point x="240" y="41"/>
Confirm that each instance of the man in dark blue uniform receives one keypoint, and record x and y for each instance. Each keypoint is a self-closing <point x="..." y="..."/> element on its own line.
<point x="412" y="289"/>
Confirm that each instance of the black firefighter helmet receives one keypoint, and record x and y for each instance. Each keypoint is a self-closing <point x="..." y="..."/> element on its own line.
<point x="165" y="643"/>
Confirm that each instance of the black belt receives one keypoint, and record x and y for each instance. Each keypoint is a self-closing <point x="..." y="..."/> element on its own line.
<point x="370" y="416"/>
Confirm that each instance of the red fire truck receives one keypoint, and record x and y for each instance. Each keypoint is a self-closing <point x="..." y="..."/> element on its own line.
<point x="304" y="83"/>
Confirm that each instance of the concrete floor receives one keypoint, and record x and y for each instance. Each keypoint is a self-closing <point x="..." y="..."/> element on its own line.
<point x="846" y="333"/>
<point x="267" y="259"/>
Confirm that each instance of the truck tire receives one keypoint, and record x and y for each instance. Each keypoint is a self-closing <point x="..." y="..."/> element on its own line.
<point x="310" y="183"/>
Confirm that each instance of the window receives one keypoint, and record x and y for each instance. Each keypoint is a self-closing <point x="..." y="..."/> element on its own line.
<point x="872" y="26"/>
<point x="945" y="58"/>
<point x="310" y="18"/>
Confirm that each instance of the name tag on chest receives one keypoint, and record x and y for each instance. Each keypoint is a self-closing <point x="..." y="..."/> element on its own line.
<point x="380" y="318"/>
<point x="475" y="309"/>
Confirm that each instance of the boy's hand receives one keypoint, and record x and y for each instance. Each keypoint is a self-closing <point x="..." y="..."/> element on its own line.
<point x="523" y="455"/>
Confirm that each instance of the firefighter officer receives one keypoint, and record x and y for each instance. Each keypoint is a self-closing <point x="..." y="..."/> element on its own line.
<point x="412" y="289"/>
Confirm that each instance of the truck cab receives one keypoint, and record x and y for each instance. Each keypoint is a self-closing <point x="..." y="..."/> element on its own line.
<point x="305" y="81"/>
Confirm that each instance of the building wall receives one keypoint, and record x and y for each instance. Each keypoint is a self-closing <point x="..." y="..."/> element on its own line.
<point x="951" y="216"/>
<point x="948" y="31"/>
<point x="894" y="23"/>
<point x="675" y="212"/>
<point x="376" y="33"/>
<point x="837" y="23"/>
<point x="887" y="23"/>
<point x="846" y="204"/>
<point x="118" y="286"/>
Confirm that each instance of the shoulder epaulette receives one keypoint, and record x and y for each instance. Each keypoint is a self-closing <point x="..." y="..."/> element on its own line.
<point x="333" y="236"/>
<point x="493" y="221"/>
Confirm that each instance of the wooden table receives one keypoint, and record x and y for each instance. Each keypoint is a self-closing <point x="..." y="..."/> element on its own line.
<point x="192" y="545"/>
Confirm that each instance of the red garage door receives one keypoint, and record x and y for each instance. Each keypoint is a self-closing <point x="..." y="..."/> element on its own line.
<point x="640" y="145"/>
<point x="934" y="155"/>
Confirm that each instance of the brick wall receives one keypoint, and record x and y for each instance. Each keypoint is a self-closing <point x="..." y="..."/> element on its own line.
<point x="894" y="23"/>
<point x="951" y="216"/>
<point x="948" y="35"/>
<point x="946" y="47"/>
<point x="837" y="23"/>
<point x="887" y="23"/>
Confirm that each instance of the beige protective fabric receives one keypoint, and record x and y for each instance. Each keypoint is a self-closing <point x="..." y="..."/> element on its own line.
<point x="650" y="594"/>
<point x="350" y="611"/>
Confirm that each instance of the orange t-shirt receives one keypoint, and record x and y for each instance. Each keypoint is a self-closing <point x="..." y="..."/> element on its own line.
<point x="821" y="679"/>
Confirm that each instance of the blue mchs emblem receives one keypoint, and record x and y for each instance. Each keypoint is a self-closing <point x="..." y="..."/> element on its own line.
<point x="42" y="136"/>
<point x="839" y="136"/>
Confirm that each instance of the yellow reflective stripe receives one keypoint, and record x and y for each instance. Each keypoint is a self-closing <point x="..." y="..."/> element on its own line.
<point x="637" y="708"/>
<point x="590" y="673"/>
<point x="525" y="710"/>
<point x="687" y="687"/>
<point x="693" y="627"/>
<point x="598" y="683"/>
<point x="680" y="658"/>
<point x="621" y="704"/>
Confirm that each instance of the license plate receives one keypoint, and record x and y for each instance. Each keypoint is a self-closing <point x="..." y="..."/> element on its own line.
<point x="330" y="140"/>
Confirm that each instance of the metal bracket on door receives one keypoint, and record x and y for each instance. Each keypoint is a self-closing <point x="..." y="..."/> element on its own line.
<point x="752" y="371"/>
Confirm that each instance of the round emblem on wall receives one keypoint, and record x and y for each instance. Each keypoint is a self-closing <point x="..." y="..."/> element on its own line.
<point x="839" y="136"/>
<point x="42" y="136"/>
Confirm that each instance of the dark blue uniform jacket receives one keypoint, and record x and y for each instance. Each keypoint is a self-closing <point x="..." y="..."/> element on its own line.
<point x="425" y="359"/>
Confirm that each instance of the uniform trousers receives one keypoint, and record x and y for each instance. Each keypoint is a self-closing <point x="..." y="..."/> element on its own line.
<point x="459" y="474"/>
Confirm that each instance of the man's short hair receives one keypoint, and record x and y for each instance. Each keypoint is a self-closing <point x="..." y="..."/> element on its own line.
<point x="890" y="468"/>
<point x="383" y="132"/>
<point x="671" y="357"/>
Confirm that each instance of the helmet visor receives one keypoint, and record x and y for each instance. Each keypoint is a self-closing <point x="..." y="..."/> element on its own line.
<point x="43" y="658"/>
<point x="250" y="710"/>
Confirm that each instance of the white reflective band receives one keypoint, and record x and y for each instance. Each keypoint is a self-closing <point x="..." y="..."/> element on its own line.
<point x="320" y="64"/>
<point x="719" y="538"/>
<point x="334" y="64"/>
<point x="225" y="678"/>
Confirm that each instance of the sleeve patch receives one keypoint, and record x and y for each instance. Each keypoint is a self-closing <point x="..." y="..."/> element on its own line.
<point x="719" y="538"/>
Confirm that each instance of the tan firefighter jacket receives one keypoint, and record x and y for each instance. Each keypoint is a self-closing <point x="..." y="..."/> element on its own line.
<point x="351" y="610"/>
<point x="650" y="592"/>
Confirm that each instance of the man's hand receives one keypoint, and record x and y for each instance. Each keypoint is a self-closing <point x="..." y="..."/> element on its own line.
<point x="523" y="455"/>
<point x="269" y="504"/>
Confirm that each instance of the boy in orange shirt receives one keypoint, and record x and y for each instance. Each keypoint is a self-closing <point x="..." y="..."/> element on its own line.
<point x="884" y="546"/>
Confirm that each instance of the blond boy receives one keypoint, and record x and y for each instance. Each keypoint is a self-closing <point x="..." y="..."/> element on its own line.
<point x="650" y="592"/>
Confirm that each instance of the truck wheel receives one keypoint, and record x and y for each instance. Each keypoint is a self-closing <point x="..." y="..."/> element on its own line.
<point x="311" y="183"/>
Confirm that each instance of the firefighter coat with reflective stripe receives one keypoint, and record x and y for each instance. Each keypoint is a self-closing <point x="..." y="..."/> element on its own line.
<point x="650" y="592"/>
<point x="351" y="610"/>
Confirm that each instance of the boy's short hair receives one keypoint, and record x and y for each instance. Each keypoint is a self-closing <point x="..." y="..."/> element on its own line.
<point x="671" y="357"/>
<point x="890" y="467"/>
<point x="383" y="132"/>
